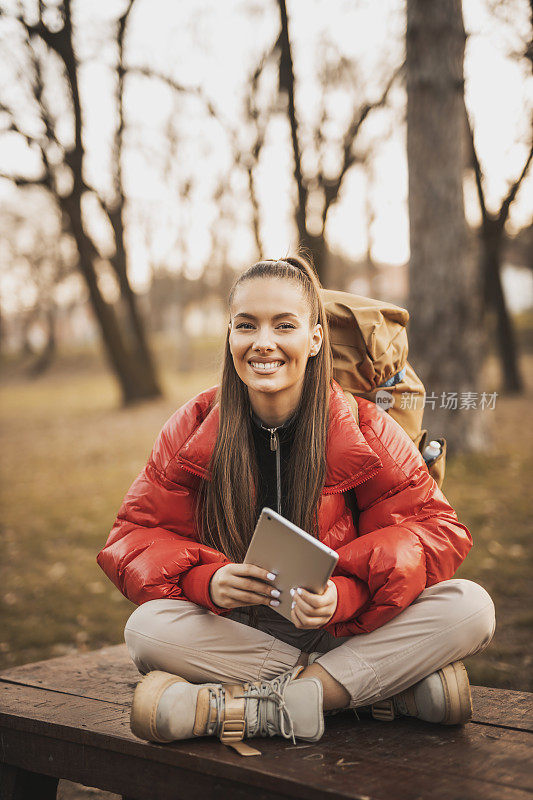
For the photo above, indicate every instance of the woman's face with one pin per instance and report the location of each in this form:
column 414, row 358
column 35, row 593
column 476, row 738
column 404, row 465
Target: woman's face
column 270, row 324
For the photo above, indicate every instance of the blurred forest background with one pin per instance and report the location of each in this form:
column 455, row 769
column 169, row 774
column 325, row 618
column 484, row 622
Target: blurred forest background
column 150, row 151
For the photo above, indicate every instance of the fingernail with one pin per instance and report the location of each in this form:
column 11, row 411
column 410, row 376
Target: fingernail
column 271, row 576
column 275, row 592
column 293, row 604
column 292, row 592
column 299, row 591
column 274, row 602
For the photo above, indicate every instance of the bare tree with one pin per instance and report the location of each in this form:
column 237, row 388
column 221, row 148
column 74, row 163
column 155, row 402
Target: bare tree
column 322, row 186
column 444, row 294
column 245, row 140
column 492, row 235
column 49, row 44
column 492, row 244
column 258, row 120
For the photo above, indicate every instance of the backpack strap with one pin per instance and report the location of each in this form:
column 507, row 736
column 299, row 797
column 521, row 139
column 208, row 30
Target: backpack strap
column 352, row 402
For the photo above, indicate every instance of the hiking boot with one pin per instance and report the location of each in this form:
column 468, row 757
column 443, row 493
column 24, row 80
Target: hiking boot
column 443, row 697
column 167, row 708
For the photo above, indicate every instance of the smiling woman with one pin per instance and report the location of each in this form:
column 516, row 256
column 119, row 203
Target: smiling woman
column 272, row 344
column 391, row 626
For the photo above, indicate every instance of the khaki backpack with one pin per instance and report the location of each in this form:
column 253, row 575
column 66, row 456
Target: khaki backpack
column 369, row 346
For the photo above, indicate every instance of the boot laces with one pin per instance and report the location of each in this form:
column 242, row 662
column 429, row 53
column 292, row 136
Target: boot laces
column 268, row 690
column 263, row 691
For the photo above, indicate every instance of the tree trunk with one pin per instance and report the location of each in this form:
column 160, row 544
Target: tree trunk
column 286, row 82
column 137, row 344
column 123, row 363
column 491, row 239
column 256, row 216
column 45, row 358
column 316, row 244
column 492, row 235
column 444, row 290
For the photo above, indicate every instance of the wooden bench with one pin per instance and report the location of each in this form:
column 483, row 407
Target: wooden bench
column 69, row 718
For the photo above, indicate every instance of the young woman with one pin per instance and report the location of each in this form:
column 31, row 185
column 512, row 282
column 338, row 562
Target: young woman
column 391, row 627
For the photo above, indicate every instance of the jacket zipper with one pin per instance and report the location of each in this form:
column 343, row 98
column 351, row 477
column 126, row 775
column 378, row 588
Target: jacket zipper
column 274, row 445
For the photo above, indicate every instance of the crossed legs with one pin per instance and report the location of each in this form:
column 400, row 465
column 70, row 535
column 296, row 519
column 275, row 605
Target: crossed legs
column 447, row 622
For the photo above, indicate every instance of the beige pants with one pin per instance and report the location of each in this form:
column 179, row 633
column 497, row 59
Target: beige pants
column 447, row 622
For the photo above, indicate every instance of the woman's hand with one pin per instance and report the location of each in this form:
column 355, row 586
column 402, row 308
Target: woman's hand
column 311, row 610
column 237, row 585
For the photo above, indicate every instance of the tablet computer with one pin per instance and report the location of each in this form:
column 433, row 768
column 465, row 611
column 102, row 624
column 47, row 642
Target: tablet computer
column 295, row 557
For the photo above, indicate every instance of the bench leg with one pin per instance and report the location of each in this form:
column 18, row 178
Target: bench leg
column 19, row 784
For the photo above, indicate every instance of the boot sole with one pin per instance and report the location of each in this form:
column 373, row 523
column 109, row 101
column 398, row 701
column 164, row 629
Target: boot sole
column 145, row 702
column 456, row 687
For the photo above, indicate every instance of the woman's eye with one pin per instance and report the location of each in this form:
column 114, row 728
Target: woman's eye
column 242, row 324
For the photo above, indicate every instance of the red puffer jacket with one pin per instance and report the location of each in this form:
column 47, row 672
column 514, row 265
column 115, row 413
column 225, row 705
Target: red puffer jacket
column 407, row 537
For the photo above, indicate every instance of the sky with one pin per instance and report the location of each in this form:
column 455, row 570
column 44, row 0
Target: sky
column 215, row 45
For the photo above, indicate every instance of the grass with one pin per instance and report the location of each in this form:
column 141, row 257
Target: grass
column 68, row 455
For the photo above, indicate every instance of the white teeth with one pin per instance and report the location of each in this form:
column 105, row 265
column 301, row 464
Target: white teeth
column 266, row 367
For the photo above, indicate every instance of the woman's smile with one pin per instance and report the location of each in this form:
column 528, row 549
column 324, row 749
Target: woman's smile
column 266, row 367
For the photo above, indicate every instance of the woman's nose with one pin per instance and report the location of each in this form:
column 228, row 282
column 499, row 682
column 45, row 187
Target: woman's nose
column 263, row 340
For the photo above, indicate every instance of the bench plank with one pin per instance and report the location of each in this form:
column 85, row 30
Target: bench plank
column 503, row 707
column 106, row 674
column 405, row 759
column 109, row 674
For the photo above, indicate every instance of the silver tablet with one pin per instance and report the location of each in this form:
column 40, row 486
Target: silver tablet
column 296, row 558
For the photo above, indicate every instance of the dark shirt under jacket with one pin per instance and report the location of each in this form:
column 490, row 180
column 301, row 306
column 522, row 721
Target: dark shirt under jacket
column 266, row 460
column 267, row 619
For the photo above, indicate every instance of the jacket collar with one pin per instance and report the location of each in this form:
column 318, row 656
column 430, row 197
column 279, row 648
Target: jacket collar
column 285, row 431
column 349, row 458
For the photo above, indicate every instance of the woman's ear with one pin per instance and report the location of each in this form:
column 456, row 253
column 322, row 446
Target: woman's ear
column 317, row 340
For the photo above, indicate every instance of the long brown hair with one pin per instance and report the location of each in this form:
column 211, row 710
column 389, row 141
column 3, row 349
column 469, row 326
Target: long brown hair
column 226, row 510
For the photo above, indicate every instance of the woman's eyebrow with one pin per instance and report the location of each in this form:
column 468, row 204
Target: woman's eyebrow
column 276, row 316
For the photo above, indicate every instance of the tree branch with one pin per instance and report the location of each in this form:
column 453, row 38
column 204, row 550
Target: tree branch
column 476, row 167
column 196, row 91
column 14, row 127
column 19, row 180
column 331, row 188
column 119, row 134
column 38, row 93
column 52, row 38
column 506, row 205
